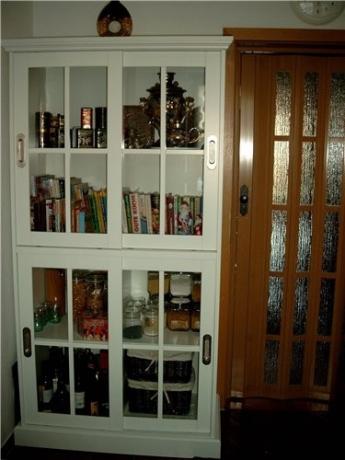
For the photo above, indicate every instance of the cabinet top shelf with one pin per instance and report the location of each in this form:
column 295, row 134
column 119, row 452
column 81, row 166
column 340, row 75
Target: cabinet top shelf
column 176, row 43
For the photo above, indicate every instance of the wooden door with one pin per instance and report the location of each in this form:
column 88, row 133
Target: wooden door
column 288, row 229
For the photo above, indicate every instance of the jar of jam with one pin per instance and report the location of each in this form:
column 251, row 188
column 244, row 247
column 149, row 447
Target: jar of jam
column 195, row 318
column 153, row 283
column 178, row 315
column 79, row 294
column 196, row 289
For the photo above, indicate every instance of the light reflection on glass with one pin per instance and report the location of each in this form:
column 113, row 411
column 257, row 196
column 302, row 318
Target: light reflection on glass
column 327, row 293
column 274, row 306
column 334, row 172
column 297, row 361
column 336, row 126
column 307, row 173
column 271, row 362
column 280, row 172
column 304, row 241
column 311, row 82
column 278, row 240
column 330, row 242
column 301, row 306
column 321, row 363
column 283, row 104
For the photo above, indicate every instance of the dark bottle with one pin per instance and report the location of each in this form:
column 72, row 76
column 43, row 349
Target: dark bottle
column 114, row 19
column 45, row 388
column 60, row 402
column 103, row 384
column 92, row 385
column 79, row 395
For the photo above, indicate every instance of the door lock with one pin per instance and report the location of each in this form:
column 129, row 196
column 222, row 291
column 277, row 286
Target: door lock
column 244, row 200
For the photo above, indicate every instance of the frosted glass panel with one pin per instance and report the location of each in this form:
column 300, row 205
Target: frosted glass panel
column 278, row 239
column 334, row 172
column 283, row 104
column 304, row 241
column 326, row 307
column 336, row 126
column 321, row 363
column 301, row 306
column 280, row 172
column 297, row 359
column 274, row 307
column 311, row 82
column 307, row 173
column 271, row 361
column 330, row 242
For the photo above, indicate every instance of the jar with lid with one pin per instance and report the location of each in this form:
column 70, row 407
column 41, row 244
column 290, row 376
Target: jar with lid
column 132, row 321
column 195, row 318
column 180, row 284
column 178, row 315
column 151, row 320
column 153, row 283
column 79, row 294
column 95, row 302
column 196, row 288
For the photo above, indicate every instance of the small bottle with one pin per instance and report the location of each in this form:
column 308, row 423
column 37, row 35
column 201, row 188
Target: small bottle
column 92, row 385
column 151, row 320
column 132, row 322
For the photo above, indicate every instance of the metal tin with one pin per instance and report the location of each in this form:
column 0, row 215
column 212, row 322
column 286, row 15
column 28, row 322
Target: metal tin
column 86, row 117
column 43, row 121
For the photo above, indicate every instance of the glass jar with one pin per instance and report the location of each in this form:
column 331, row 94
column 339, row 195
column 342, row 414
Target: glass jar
column 195, row 318
column 132, row 321
column 196, row 289
column 95, row 303
column 79, row 294
column 178, row 315
column 151, row 320
column 153, row 283
column 180, row 284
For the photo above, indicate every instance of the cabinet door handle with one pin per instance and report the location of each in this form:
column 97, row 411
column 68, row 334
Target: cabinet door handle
column 27, row 342
column 20, row 150
column 206, row 349
column 211, row 152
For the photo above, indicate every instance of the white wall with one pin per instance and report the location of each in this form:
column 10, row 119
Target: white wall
column 78, row 18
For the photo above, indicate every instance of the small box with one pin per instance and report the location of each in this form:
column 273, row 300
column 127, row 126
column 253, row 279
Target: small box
column 85, row 138
column 91, row 328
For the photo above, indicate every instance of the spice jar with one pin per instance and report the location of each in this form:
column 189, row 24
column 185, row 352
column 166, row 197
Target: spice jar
column 132, row 322
column 178, row 316
column 195, row 318
column 151, row 320
column 95, row 294
column 180, row 284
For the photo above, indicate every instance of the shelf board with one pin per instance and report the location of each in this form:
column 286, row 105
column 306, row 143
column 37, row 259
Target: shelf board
column 53, row 332
column 173, row 340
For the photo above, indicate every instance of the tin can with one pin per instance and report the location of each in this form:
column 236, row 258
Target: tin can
column 43, row 122
column 86, row 117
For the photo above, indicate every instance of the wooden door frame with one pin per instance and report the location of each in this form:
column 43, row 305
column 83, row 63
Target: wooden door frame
column 273, row 41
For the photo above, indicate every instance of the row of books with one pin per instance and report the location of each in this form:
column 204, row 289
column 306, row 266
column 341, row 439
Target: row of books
column 141, row 213
column 88, row 208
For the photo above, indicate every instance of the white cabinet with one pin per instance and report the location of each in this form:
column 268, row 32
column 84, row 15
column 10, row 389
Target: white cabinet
column 116, row 181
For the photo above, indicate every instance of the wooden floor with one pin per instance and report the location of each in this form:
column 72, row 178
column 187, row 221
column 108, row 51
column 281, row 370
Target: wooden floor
column 245, row 435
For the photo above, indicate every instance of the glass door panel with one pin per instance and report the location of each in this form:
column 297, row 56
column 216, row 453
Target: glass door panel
column 185, row 107
column 180, row 385
column 46, row 107
column 184, row 194
column 88, row 193
column 91, row 382
column 52, row 377
column 88, row 107
column 47, row 192
column 49, row 303
column 90, row 305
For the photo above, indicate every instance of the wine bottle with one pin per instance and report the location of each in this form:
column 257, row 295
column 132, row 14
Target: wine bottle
column 92, row 385
column 45, row 388
column 79, row 395
column 103, row 384
column 60, row 402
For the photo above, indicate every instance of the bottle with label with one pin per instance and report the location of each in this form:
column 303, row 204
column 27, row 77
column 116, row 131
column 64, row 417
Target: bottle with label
column 45, row 388
column 101, row 127
column 60, row 402
column 79, row 394
column 103, row 384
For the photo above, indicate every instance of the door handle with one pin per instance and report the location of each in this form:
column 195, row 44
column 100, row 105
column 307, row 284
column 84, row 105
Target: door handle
column 206, row 349
column 244, row 200
column 27, row 350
